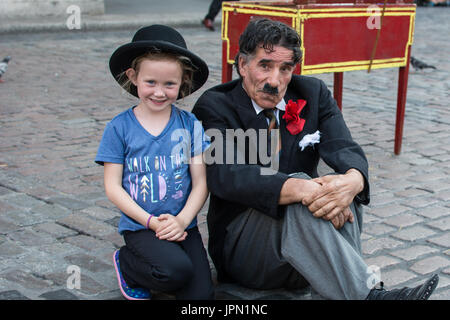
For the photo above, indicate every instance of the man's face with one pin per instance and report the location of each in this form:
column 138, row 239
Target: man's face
column 266, row 75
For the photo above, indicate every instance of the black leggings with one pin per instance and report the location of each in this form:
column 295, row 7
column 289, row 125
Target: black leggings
column 181, row 268
column 214, row 9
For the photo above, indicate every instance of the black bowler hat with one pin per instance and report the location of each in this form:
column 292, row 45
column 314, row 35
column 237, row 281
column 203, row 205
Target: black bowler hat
column 164, row 38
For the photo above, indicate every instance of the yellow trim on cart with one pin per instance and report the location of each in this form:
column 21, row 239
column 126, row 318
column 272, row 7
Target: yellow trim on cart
column 233, row 6
column 299, row 15
column 362, row 9
column 306, row 16
column 353, row 66
column 261, row 12
column 240, row 5
column 226, row 11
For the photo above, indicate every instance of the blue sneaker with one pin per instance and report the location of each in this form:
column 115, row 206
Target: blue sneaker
column 129, row 293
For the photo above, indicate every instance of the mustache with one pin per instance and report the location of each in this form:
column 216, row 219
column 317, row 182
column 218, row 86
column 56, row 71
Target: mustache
column 269, row 89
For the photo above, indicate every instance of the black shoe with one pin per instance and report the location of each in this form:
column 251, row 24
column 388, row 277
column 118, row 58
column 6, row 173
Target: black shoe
column 421, row 292
column 208, row 23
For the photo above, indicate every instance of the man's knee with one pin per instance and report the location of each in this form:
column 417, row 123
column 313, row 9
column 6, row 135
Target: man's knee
column 300, row 175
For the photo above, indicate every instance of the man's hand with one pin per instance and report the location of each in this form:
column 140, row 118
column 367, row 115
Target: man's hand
column 337, row 192
column 294, row 190
column 341, row 218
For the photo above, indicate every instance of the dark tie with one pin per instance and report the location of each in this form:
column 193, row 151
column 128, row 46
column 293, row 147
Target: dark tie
column 273, row 124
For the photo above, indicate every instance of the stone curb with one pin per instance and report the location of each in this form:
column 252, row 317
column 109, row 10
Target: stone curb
column 103, row 23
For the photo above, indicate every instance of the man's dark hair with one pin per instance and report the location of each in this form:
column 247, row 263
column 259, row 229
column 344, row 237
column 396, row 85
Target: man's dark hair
column 268, row 33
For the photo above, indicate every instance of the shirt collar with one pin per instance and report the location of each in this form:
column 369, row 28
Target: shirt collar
column 280, row 106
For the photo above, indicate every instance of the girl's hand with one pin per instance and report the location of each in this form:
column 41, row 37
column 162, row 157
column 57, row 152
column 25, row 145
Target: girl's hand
column 170, row 229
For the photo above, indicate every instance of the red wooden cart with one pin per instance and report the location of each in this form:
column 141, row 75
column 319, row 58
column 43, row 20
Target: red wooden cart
column 336, row 37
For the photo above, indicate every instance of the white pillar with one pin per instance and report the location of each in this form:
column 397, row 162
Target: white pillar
column 47, row 8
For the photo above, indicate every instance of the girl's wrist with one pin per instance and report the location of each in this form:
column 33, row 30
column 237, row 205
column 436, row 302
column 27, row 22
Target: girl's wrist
column 148, row 221
column 184, row 223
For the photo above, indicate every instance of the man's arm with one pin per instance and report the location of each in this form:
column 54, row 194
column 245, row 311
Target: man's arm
column 296, row 190
column 346, row 157
column 338, row 149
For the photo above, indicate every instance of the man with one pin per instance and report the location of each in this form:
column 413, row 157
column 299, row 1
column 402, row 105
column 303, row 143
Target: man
column 289, row 228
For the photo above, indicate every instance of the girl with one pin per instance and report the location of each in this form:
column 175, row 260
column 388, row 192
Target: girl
column 153, row 168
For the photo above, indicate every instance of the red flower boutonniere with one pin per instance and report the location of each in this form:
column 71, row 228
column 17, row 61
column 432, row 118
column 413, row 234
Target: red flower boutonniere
column 292, row 116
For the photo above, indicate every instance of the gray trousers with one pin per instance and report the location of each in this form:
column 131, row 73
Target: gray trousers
column 264, row 253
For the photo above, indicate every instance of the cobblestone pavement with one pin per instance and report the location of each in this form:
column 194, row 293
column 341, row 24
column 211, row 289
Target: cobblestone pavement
column 55, row 219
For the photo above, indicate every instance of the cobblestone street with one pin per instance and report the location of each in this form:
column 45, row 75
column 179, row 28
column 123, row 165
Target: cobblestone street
column 58, row 96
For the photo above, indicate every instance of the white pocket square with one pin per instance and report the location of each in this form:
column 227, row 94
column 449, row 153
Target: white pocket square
column 309, row 140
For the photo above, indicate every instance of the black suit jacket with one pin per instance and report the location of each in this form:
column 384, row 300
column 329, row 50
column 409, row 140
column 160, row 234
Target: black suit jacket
column 236, row 187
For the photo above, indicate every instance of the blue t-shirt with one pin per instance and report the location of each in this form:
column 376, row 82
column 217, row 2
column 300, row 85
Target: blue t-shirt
column 155, row 168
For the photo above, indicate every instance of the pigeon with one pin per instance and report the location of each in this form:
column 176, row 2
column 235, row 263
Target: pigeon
column 417, row 64
column 4, row 66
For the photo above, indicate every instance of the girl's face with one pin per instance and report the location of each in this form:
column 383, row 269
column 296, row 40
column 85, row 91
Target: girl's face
column 158, row 83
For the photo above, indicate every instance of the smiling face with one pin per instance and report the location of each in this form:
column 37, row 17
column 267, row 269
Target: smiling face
column 158, row 83
column 266, row 75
